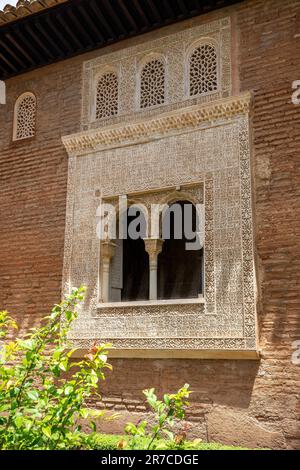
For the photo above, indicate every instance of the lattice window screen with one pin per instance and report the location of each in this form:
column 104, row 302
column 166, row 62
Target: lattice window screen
column 107, row 96
column 203, row 68
column 25, row 117
column 152, row 84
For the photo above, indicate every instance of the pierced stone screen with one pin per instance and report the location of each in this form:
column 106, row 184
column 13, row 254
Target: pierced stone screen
column 203, row 70
column 152, row 84
column 107, row 96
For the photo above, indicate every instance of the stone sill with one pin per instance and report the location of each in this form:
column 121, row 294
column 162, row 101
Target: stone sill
column 246, row 355
column 145, row 303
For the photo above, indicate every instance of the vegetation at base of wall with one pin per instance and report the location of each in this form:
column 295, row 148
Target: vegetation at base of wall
column 45, row 394
column 116, row 442
column 165, row 413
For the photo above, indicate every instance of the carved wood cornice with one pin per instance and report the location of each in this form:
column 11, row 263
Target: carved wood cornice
column 163, row 124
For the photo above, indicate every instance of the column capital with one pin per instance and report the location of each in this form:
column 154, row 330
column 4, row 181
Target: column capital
column 108, row 249
column 153, row 246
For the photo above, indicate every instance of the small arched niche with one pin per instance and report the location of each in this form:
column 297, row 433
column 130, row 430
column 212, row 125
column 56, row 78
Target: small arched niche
column 24, row 116
column 202, row 68
column 152, row 82
column 106, row 95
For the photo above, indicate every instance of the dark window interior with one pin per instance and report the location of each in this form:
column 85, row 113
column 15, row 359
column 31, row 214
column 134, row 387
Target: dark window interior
column 179, row 270
column 135, row 266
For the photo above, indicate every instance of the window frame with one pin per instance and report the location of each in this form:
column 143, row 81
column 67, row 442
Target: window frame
column 190, row 50
column 18, row 101
column 141, row 204
column 145, row 61
column 98, row 76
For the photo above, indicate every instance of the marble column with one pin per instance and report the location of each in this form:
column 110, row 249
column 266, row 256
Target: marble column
column 153, row 246
column 107, row 253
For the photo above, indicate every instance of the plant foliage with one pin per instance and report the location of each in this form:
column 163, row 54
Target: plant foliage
column 166, row 413
column 43, row 390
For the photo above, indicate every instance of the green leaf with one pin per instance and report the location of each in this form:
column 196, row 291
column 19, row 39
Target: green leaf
column 33, row 394
column 47, row 432
column 19, row 421
column 93, row 426
column 68, row 390
column 84, row 413
column 167, row 399
column 130, row 428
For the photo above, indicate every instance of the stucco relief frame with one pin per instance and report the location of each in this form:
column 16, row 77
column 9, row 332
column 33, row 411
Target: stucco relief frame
column 96, row 77
column 218, row 334
column 144, row 61
column 194, row 193
column 175, row 49
column 202, row 42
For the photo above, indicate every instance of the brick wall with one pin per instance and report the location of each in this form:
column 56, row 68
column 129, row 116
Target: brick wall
column 249, row 403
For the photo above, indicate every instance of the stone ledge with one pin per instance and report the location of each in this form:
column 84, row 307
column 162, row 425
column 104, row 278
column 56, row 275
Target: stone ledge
column 247, row 355
column 139, row 131
column 150, row 303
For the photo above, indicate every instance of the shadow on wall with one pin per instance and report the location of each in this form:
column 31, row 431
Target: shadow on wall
column 221, row 407
column 226, row 383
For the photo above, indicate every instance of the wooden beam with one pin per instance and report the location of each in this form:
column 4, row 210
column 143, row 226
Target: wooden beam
column 4, row 71
column 20, row 48
column 127, row 14
column 48, row 38
column 115, row 18
column 10, row 51
column 198, row 5
column 51, row 20
column 40, row 43
column 169, row 10
column 92, row 26
column 79, row 27
column 25, row 38
column 155, row 11
column 141, row 12
column 69, row 31
column 7, row 61
column 94, row 6
column 183, row 7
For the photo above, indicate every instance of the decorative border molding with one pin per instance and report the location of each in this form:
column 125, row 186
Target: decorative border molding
column 166, row 123
column 225, row 323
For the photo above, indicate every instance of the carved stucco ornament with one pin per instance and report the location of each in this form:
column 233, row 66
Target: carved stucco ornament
column 201, row 146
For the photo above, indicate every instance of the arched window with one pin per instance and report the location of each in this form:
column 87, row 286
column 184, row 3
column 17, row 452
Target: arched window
column 203, row 70
column 130, row 265
column 24, row 116
column 180, row 264
column 152, row 83
column 107, row 95
column 167, row 267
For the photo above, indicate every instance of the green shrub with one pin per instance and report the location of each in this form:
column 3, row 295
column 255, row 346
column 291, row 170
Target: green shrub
column 44, row 393
column 96, row 441
column 114, row 442
column 166, row 412
column 39, row 407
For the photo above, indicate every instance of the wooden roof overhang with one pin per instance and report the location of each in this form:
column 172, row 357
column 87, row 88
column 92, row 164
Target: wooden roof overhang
column 41, row 32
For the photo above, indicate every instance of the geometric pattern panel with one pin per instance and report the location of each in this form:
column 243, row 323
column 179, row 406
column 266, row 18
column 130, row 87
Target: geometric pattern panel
column 107, row 96
column 152, row 84
column 211, row 163
column 163, row 82
column 203, row 70
column 25, row 116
